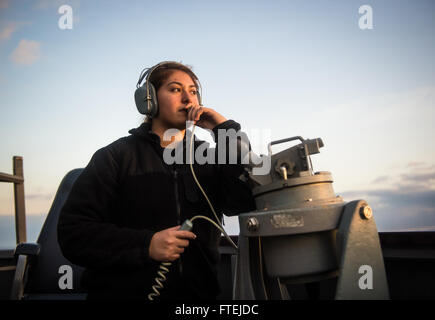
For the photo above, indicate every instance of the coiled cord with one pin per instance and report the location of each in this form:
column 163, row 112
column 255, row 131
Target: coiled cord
column 159, row 285
column 163, row 266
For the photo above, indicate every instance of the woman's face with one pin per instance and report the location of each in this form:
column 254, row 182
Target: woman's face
column 175, row 96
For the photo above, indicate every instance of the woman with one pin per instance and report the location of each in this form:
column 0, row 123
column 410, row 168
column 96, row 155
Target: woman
column 122, row 216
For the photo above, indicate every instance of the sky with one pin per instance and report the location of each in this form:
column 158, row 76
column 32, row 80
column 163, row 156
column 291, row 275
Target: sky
column 279, row 68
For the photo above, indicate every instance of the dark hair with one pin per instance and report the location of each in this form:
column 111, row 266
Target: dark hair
column 161, row 74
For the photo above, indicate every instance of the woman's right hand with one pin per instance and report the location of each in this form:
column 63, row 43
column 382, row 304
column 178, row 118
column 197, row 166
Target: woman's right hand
column 168, row 244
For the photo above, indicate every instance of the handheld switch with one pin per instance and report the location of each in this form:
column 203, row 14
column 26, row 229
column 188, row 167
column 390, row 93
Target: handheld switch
column 187, row 225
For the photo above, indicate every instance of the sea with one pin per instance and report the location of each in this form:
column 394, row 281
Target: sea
column 34, row 224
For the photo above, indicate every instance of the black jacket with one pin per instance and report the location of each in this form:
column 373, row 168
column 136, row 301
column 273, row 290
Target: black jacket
column 127, row 193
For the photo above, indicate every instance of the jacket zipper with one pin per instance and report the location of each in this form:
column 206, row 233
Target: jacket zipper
column 177, row 203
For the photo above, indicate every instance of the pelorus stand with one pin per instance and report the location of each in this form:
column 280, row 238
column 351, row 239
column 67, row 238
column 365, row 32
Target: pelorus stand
column 302, row 232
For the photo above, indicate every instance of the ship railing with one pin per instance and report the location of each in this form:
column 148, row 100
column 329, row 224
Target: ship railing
column 17, row 178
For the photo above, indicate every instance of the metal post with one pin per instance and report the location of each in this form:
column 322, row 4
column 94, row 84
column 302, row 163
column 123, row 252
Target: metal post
column 20, row 210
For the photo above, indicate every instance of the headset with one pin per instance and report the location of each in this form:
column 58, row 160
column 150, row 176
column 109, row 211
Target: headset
column 145, row 96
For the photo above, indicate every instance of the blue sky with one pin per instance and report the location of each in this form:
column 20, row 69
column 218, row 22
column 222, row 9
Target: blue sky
column 280, row 68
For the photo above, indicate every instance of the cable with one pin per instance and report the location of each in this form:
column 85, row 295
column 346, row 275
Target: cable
column 203, row 192
column 163, row 270
column 208, row 219
column 187, row 225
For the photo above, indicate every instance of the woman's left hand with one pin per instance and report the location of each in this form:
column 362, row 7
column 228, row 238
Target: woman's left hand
column 203, row 117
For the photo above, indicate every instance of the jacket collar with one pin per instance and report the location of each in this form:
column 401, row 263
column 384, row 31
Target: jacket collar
column 144, row 131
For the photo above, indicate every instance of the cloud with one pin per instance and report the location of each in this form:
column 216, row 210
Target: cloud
column 415, row 164
column 424, row 199
column 419, row 175
column 10, row 27
column 408, row 202
column 39, row 196
column 395, row 209
column 6, row 32
column 27, row 52
column 425, row 179
column 381, row 179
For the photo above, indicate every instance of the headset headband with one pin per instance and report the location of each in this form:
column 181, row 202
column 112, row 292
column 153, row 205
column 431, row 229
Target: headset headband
column 148, row 71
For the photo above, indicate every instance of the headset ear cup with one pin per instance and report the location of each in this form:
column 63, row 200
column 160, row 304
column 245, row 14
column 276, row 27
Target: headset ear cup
column 145, row 105
column 154, row 104
column 140, row 97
